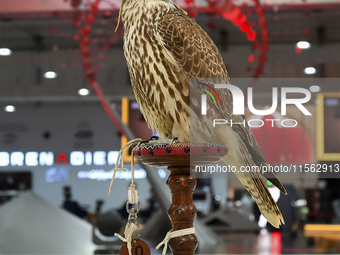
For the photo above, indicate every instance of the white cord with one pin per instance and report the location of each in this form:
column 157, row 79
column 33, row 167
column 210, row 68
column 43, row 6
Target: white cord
column 172, row 234
column 124, row 149
column 129, row 230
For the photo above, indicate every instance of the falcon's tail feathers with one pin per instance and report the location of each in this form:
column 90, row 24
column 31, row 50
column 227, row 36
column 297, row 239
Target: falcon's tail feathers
column 257, row 188
column 259, row 191
column 259, row 159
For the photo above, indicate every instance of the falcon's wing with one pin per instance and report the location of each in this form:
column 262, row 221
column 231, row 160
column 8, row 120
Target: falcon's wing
column 196, row 55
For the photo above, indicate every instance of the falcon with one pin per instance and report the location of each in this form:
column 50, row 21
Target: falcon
column 165, row 49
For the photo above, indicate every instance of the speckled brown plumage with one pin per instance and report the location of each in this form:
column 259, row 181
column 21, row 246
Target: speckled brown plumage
column 164, row 49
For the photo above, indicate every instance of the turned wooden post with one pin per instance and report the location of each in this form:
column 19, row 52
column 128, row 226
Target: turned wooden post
column 182, row 211
column 181, row 159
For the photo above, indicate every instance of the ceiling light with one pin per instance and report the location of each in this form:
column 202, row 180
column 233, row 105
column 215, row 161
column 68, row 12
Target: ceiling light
column 314, row 88
column 5, row 52
column 310, row 70
column 303, row 45
column 50, row 75
column 10, row 108
column 301, row 202
column 83, row 92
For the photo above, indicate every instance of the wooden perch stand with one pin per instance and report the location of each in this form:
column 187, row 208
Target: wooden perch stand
column 181, row 160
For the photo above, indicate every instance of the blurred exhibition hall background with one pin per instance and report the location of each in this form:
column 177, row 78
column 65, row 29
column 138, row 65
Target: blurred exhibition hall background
column 58, row 144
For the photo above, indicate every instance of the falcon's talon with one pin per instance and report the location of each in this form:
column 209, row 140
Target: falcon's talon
column 144, row 141
column 154, row 137
column 159, row 140
column 175, row 140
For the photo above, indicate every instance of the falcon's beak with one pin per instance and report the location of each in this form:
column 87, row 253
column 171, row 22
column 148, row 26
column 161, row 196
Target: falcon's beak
column 120, row 13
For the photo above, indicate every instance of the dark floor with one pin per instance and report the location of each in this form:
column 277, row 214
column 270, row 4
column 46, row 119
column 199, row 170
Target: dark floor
column 265, row 243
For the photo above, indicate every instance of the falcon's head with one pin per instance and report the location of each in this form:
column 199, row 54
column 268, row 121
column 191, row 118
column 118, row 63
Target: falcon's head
column 135, row 3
